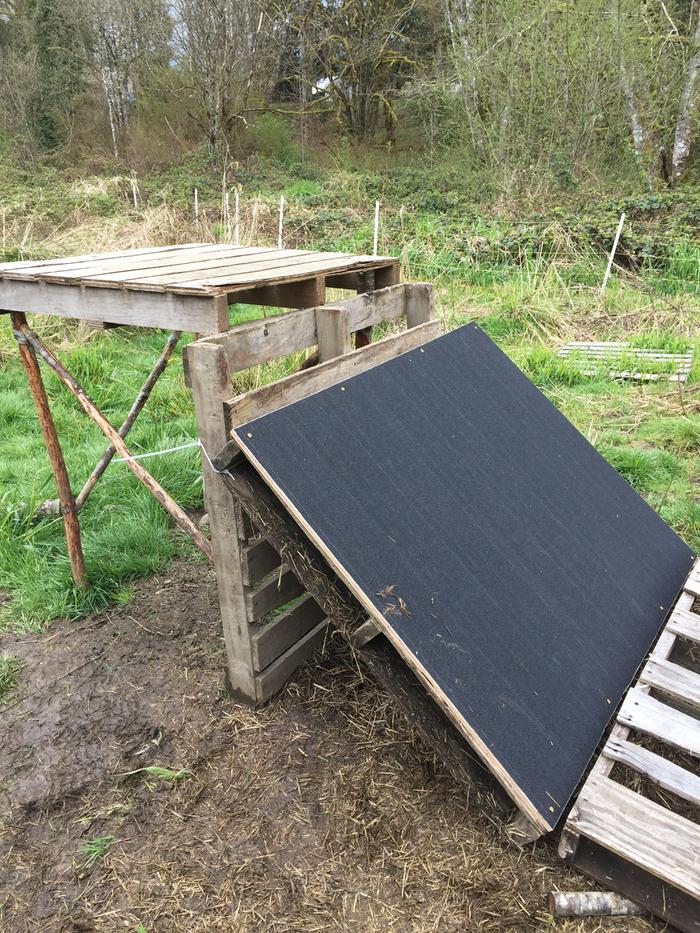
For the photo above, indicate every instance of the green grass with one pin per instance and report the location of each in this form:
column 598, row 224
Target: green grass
column 95, row 849
column 532, row 283
column 10, row 666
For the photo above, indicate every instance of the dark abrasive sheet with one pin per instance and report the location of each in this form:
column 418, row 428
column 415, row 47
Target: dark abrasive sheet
column 533, row 577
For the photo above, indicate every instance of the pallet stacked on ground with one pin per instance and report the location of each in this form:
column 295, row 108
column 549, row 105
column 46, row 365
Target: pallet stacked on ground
column 418, row 469
column 635, row 824
column 623, row 361
column 185, row 288
column 270, row 626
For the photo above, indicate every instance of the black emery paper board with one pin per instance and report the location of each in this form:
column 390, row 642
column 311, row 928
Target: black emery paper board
column 517, row 572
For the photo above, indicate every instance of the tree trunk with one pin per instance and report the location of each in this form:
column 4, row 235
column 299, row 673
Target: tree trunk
column 684, row 124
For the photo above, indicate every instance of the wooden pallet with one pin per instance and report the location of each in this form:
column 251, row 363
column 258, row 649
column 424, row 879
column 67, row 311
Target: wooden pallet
column 648, row 851
column 185, row 287
column 594, row 357
column 271, row 625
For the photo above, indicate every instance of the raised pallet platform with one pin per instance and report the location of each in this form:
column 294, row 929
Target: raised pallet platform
column 616, row 356
column 185, row 287
column 645, row 847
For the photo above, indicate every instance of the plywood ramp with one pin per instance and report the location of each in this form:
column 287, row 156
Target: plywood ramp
column 638, row 813
column 516, row 573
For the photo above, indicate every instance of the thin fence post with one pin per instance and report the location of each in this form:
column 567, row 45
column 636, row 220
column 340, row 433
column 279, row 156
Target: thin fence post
column 237, row 228
column 376, row 227
column 613, row 251
column 227, row 218
column 196, row 207
column 280, row 238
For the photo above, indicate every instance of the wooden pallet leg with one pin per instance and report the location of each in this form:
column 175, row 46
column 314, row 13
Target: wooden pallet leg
column 209, row 379
column 53, row 446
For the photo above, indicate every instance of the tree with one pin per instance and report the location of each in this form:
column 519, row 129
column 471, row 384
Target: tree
column 123, row 35
column 221, row 49
column 364, row 50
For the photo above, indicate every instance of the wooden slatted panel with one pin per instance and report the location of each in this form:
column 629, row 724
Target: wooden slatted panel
column 637, row 829
column 122, row 268
column 692, row 584
column 659, row 770
column 29, row 268
column 201, row 267
column 286, row 273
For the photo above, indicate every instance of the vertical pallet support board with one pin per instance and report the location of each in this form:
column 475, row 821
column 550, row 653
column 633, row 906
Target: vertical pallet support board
column 271, row 624
column 649, row 850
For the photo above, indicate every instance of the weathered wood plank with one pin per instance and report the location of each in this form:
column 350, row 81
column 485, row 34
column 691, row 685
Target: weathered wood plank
column 672, row 679
column 299, row 385
column 220, row 264
column 279, row 588
column 659, row 770
column 256, row 342
column 33, row 266
column 642, row 712
column 333, row 332
column 210, row 382
column 257, row 560
column 684, row 623
column 637, row 829
column 285, row 630
column 147, row 309
column 692, row 584
column 274, row 677
column 127, row 268
column 283, row 272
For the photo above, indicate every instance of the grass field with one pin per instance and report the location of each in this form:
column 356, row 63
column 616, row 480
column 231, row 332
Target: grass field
column 529, row 292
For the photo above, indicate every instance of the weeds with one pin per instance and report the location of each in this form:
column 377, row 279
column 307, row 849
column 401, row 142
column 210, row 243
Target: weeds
column 10, row 666
column 95, row 849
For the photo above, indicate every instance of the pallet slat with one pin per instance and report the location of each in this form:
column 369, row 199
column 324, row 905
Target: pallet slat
column 285, row 630
column 642, row 712
column 662, row 772
column 637, row 829
column 277, row 590
column 672, row 679
column 685, row 623
column 257, row 560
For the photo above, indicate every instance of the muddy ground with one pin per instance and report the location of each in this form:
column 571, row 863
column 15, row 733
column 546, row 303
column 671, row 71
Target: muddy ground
column 321, row 811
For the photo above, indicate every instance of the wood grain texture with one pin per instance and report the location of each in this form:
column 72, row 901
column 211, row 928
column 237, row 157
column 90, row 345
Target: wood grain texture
column 659, row 770
column 192, row 269
column 646, row 714
column 635, row 828
column 515, row 571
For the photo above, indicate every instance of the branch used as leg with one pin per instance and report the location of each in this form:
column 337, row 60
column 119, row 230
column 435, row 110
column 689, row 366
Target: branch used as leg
column 128, row 422
column 53, row 445
column 156, row 490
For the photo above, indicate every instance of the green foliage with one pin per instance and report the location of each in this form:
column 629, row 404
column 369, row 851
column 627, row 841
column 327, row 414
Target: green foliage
column 10, row 666
column 270, row 136
column 94, row 850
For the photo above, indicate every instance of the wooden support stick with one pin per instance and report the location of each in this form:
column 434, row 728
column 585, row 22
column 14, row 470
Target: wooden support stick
column 591, row 904
column 133, row 414
column 53, row 445
column 93, row 411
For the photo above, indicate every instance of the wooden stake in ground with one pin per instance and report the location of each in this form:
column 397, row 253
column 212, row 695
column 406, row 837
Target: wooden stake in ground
column 53, row 445
column 236, row 221
column 613, row 251
column 156, row 490
column 377, row 205
column 280, row 238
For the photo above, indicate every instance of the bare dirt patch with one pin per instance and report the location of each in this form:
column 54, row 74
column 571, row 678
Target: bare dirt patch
column 321, row 811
